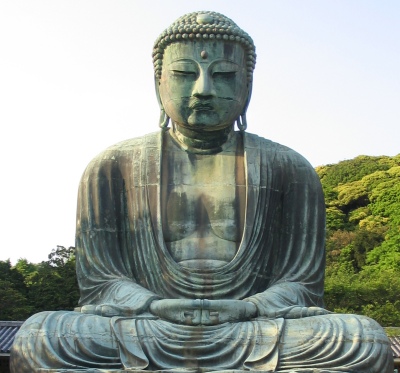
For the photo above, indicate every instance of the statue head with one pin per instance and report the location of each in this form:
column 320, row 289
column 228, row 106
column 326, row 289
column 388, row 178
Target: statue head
column 203, row 66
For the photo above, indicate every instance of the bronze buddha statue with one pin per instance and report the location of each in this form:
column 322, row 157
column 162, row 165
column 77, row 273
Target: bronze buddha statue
column 201, row 248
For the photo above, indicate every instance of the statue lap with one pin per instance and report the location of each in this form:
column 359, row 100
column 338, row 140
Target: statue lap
column 293, row 345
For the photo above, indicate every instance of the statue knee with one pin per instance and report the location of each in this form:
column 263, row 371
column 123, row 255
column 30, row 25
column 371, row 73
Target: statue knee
column 20, row 354
column 370, row 326
column 37, row 340
column 365, row 322
column 37, row 319
column 347, row 324
column 32, row 324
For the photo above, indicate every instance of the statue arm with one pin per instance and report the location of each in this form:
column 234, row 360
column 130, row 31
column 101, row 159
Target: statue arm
column 106, row 289
column 107, row 280
column 288, row 300
column 298, row 270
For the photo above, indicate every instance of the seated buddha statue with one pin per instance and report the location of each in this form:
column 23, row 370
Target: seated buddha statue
column 200, row 248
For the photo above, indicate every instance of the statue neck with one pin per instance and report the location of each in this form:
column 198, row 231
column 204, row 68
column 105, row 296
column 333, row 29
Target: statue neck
column 203, row 142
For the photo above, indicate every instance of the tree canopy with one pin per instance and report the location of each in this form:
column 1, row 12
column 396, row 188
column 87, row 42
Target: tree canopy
column 28, row 288
column 363, row 237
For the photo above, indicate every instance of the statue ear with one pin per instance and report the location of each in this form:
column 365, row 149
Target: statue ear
column 164, row 118
column 249, row 91
column 241, row 121
column 157, row 87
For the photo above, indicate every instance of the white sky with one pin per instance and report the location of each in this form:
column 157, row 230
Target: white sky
column 76, row 77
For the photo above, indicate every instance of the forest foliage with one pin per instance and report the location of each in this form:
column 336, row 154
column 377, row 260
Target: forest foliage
column 362, row 199
column 28, row 288
column 362, row 249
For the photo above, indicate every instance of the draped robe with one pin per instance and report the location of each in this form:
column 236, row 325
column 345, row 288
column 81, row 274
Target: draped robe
column 122, row 257
column 122, row 260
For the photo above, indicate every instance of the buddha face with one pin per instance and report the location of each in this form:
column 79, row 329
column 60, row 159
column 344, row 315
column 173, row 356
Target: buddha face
column 203, row 84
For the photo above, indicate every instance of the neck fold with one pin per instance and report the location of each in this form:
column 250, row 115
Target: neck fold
column 203, row 142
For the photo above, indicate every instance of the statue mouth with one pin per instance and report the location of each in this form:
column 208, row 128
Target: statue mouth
column 201, row 105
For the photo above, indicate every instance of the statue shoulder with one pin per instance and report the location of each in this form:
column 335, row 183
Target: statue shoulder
column 123, row 151
column 280, row 154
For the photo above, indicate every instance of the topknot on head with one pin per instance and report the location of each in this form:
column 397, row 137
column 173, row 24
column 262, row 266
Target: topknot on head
column 204, row 25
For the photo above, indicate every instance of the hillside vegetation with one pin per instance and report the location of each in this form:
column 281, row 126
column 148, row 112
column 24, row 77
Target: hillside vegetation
column 363, row 250
column 363, row 237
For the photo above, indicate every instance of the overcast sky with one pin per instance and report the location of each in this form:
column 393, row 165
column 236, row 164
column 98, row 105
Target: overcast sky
column 76, row 76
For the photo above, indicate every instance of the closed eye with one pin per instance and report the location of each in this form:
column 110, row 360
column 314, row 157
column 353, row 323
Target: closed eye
column 224, row 74
column 184, row 73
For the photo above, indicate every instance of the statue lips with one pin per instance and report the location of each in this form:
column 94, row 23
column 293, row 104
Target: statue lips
column 201, row 104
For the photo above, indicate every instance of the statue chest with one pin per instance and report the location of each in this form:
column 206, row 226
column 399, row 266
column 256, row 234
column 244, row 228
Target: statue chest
column 202, row 203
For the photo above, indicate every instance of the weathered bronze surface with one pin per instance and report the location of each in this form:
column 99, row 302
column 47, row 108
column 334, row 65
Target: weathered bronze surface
column 200, row 248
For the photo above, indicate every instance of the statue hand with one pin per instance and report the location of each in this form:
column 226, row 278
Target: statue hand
column 107, row 310
column 221, row 311
column 179, row 311
column 203, row 312
column 299, row 312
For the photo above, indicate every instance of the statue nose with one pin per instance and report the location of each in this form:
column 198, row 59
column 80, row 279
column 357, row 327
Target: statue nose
column 204, row 85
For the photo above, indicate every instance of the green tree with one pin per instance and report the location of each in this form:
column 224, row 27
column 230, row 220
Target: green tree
column 363, row 237
column 54, row 285
column 28, row 288
column 13, row 294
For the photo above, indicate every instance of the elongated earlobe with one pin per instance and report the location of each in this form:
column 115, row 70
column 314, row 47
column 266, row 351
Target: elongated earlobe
column 164, row 119
column 241, row 122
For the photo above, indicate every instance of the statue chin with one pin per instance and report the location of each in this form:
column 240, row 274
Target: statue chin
column 201, row 250
column 204, row 119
